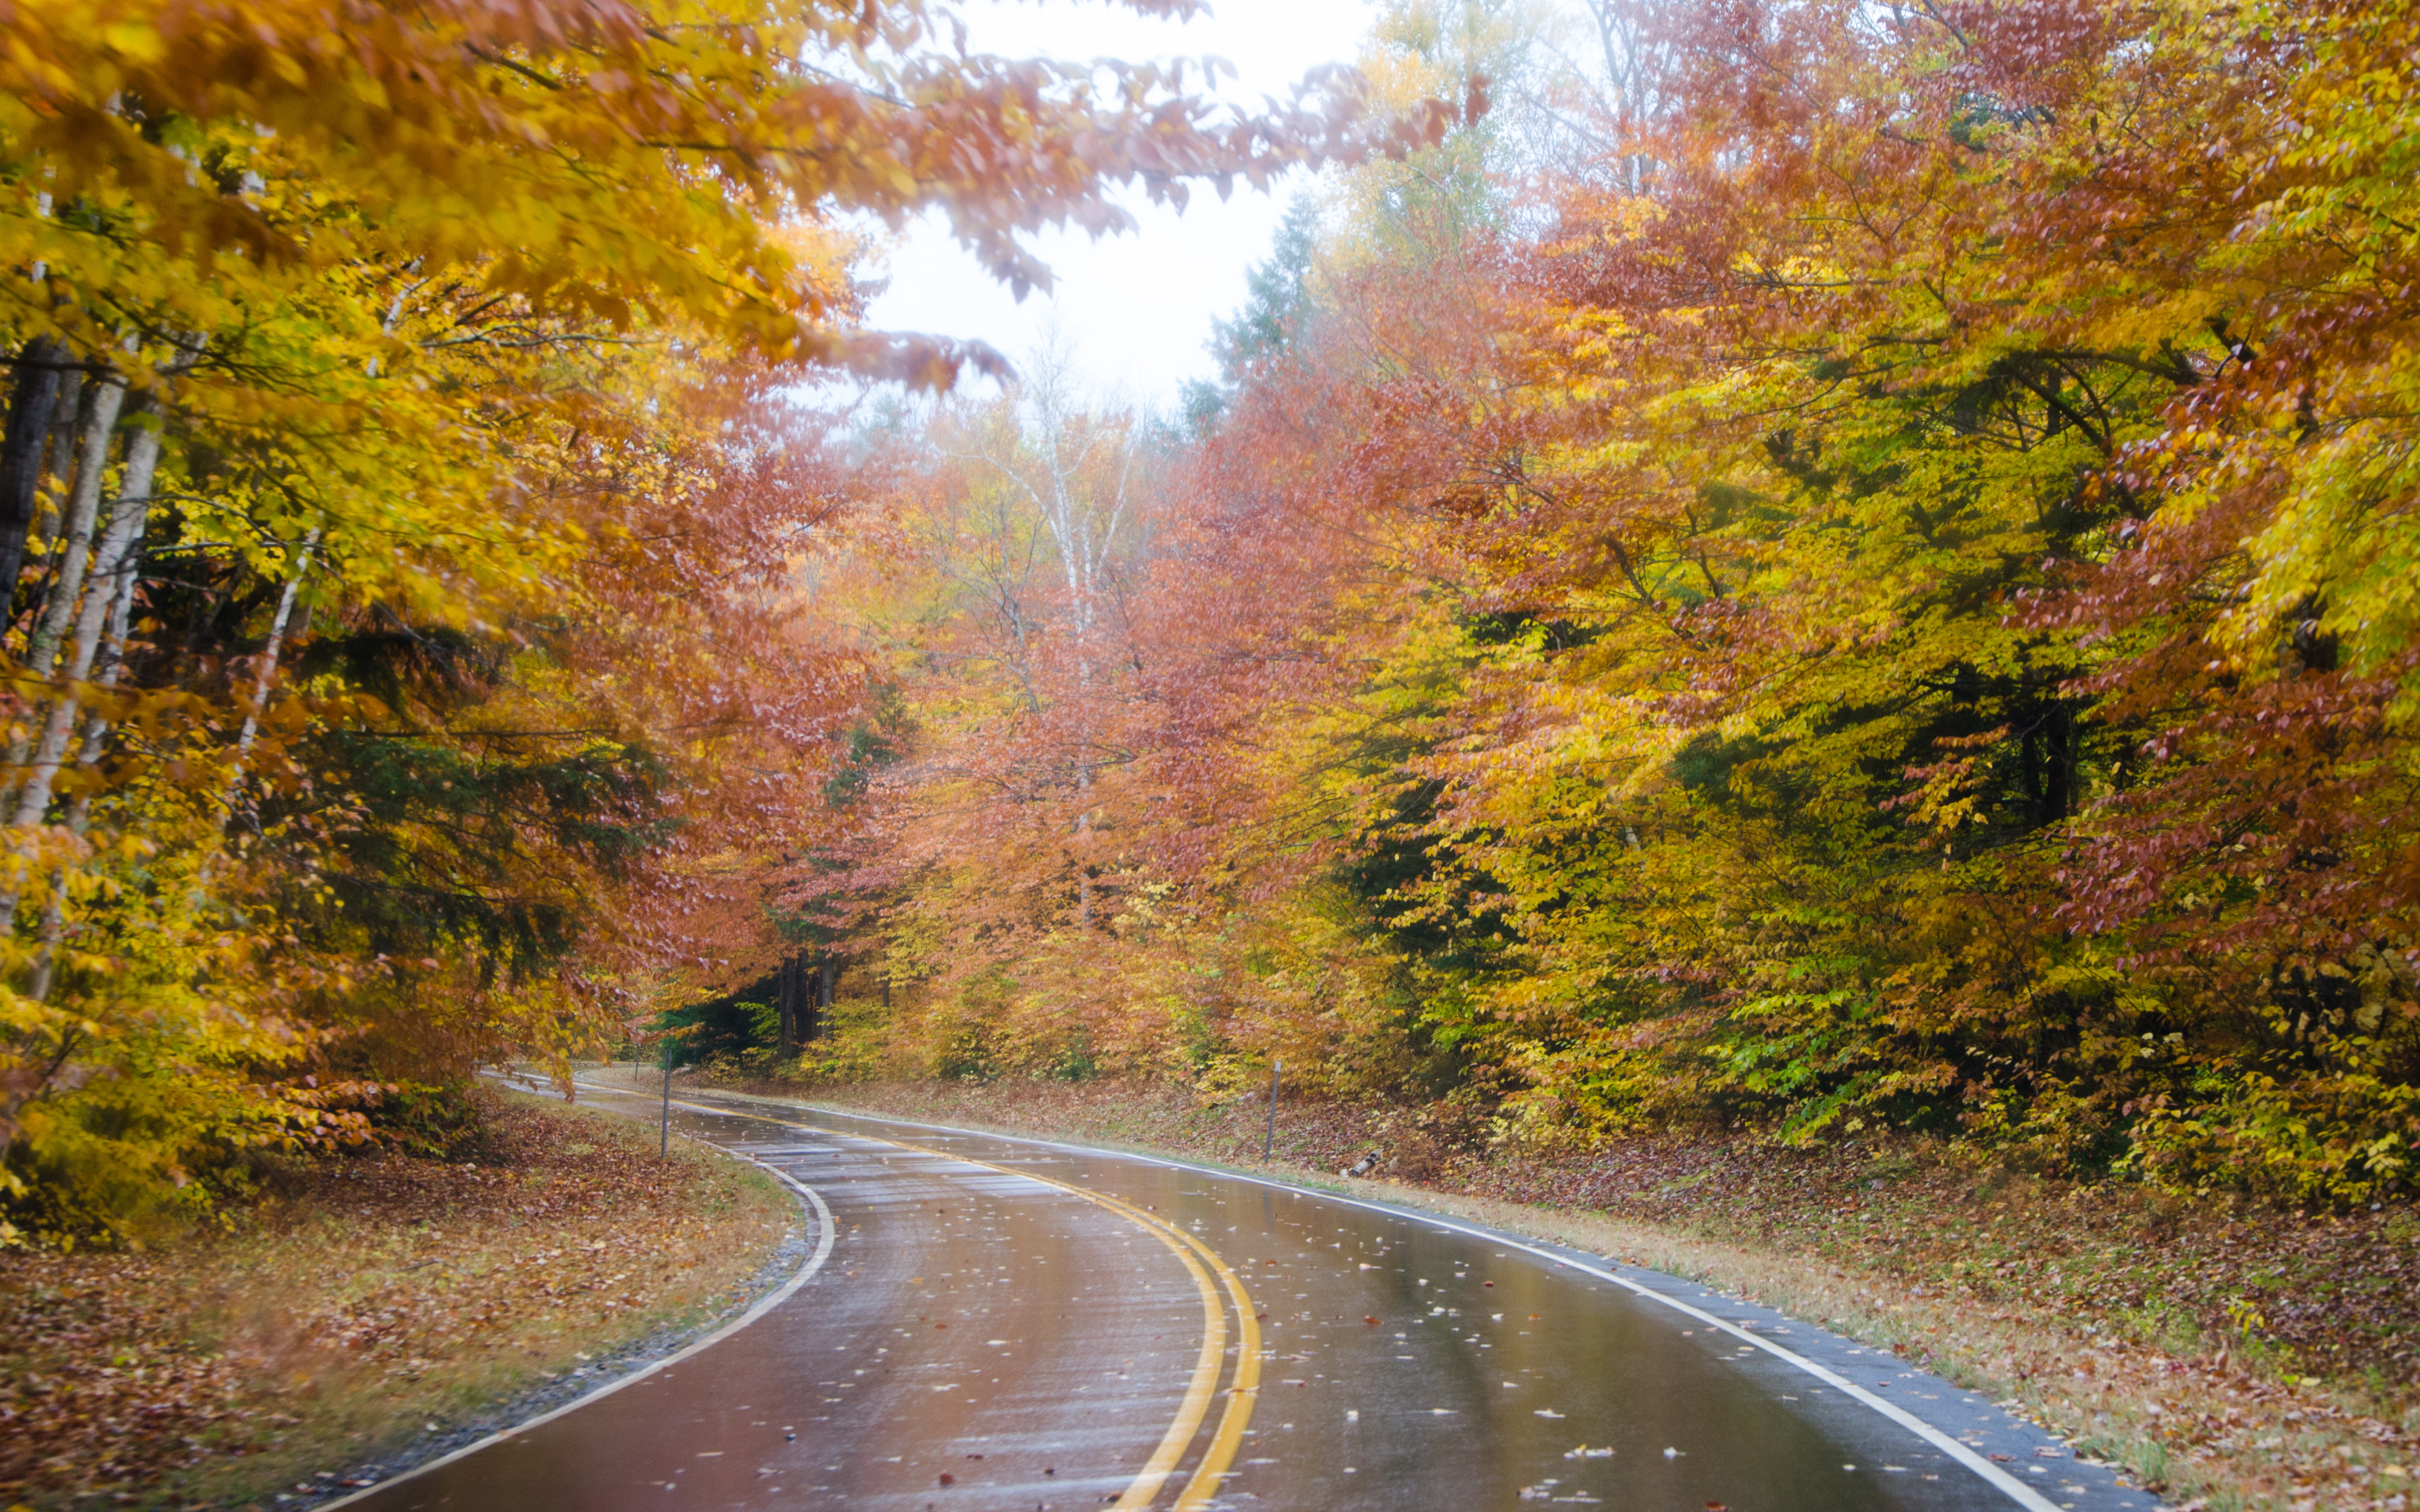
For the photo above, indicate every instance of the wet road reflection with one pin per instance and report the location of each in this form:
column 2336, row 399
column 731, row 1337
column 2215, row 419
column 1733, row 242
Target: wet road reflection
column 983, row 1339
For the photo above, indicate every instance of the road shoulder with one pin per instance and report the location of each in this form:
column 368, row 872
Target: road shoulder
column 368, row 1314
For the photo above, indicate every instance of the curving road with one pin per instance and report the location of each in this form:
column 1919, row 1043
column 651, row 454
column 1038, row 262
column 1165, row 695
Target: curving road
column 993, row 1324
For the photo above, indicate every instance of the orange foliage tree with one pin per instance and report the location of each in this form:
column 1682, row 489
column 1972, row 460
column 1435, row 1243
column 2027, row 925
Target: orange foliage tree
column 1881, row 596
column 405, row 503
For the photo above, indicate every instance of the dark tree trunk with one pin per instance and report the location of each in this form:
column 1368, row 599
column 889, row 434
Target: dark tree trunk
column 2061, row 741
column 803, row 1005
column 785, row 998
column 35, row 395
column 826, row 973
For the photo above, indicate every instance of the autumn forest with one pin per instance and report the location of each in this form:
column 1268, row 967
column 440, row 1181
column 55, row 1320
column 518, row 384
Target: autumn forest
column 1781, row 565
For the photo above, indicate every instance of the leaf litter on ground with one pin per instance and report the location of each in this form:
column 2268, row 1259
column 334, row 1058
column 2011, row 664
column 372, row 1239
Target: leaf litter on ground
column 361, row 1303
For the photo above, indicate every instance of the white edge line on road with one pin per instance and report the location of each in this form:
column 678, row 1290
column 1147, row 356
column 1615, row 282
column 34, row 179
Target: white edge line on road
column 764, row 1305
column 1992, row 1475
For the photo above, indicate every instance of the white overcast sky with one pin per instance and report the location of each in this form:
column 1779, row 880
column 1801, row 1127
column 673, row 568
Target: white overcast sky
column 1134, row 309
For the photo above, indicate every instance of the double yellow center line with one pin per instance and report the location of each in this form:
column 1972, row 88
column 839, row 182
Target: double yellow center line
column 1241, row 1396
column 1202, row 1262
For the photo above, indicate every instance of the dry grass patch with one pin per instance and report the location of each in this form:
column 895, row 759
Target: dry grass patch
column 360, row 1299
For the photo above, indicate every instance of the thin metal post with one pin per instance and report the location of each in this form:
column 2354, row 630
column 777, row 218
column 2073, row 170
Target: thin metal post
column 664, row 1139
column 1270, row 1142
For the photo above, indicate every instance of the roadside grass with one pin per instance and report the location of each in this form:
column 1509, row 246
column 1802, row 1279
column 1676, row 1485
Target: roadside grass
column 362, row 1310
column 2236, row 1358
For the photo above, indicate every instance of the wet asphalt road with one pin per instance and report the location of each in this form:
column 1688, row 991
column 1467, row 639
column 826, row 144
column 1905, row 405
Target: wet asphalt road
column 1001, row 1324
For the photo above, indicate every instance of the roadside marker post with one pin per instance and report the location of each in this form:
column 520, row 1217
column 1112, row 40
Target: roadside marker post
column 664, row 1136
column 1270, row 1140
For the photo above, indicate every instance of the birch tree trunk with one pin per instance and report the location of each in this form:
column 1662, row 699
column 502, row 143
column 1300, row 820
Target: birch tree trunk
column 111, row 597
column 83, row 502
column 113, row 660
column 1084, row 518
column 112, row 559
column 266, row 672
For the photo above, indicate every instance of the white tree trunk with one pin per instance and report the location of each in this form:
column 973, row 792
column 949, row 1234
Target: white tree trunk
column 125, row 530
column 96, row 739
column 83, row 502
column 266, row 672
column 111, row 560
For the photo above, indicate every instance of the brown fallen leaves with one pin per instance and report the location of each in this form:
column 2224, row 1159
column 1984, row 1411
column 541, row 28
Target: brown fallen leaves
column 100, row 1391
column 357, row 1298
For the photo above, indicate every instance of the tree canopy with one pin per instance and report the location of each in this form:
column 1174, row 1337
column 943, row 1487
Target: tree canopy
column 1841, row 569
column 1788, row 565
column 404, row 497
